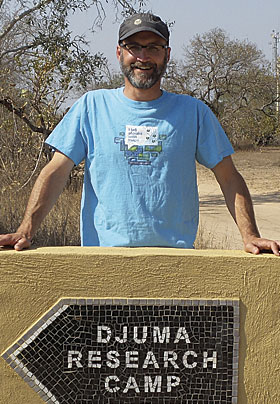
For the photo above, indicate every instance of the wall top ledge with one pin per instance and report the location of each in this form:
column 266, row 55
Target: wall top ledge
column 130, row 252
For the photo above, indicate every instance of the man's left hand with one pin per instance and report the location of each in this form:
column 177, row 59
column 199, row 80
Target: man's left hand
column 258, row 245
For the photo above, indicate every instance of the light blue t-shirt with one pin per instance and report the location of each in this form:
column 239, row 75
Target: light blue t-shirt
column 140, row 186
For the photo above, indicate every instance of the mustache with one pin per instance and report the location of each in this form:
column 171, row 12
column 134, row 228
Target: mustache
column 139, row 65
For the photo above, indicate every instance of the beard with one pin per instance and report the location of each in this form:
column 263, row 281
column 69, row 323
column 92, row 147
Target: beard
column 145, row 79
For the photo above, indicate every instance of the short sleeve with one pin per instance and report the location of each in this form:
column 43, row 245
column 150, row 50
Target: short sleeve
column 68, row 136
column 212, row 142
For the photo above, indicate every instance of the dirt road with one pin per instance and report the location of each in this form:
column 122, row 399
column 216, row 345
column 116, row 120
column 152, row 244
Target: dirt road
column 261, row 170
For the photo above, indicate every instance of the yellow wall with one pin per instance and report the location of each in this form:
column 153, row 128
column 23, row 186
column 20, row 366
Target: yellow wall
column 33, row 281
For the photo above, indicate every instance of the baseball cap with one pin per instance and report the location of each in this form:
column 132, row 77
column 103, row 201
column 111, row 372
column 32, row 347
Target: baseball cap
column 143, row 22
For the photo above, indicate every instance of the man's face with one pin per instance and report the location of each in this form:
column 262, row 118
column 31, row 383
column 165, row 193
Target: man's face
column 143, row 69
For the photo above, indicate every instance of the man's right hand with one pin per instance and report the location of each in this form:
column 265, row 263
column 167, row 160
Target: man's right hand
column 17, row 240
column 45, row 193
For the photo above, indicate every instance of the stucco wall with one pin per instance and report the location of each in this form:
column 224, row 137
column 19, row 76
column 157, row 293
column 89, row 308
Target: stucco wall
column 32, row 281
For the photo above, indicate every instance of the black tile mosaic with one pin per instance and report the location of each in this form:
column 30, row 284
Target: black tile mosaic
column 132, row 351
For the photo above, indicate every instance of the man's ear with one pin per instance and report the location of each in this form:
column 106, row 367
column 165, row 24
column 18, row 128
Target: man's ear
column 168, row 54
column 118, row 52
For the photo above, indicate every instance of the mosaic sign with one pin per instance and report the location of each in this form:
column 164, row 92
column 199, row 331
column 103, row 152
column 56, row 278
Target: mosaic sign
column 86, row 351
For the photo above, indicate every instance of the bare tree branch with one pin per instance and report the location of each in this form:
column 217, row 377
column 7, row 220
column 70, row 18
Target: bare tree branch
column 19, row 50
column 23, row 15
column 125, row 4
column 233, row 78
column 267, row 105
column 36, row 166
column 7, row 103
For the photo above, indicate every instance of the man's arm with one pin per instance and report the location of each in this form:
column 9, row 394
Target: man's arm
column 45, row 193
column 240, row 205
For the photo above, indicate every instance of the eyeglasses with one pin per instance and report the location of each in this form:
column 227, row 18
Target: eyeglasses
column 136, row 49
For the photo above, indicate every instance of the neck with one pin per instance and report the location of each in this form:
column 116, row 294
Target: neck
column 139, row 94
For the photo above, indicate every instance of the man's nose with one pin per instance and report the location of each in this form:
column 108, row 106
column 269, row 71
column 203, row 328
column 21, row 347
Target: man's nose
column 143, row 55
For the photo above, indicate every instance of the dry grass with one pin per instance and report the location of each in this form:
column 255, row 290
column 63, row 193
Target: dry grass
column 206, row 240
column 60, row 227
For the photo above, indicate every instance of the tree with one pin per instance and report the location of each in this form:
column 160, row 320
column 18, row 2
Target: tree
column 42, row 60
column 233, row 78
column 41, row 64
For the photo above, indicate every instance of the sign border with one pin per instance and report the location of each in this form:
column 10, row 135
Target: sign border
column 10, row 355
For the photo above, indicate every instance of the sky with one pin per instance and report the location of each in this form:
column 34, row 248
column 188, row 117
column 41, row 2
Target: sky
column 251, row 20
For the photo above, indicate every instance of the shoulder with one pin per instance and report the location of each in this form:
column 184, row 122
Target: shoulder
column 93, row 98
column 97, row 94
column 187, row 100
column 184, row 98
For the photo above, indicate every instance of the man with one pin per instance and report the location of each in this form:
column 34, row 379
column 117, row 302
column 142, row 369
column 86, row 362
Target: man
column 140, row 145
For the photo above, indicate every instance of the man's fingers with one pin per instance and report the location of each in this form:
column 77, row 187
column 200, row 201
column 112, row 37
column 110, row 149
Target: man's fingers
column 8, row 239
column 259, row 245
column 16, row 240
column 251, row 248
column 276, row 248
column 22, row 243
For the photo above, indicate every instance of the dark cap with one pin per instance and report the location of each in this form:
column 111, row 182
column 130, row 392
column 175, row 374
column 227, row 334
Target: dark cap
column 143, row 22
